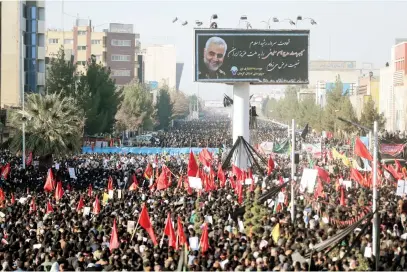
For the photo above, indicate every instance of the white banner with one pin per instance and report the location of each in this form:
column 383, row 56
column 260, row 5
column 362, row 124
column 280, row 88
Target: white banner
column 266, row 147
column 314, row 149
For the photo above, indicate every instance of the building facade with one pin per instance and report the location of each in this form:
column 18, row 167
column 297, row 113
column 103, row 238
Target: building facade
column 159, row 65
column 115, row 47
column 22, row 50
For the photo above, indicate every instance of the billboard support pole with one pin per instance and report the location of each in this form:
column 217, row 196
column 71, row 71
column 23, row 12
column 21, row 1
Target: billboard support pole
column 292, row 210
column 241, row 97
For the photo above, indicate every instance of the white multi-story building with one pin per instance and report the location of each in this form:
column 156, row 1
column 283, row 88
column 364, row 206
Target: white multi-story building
column 160, row 65
column 22, row 50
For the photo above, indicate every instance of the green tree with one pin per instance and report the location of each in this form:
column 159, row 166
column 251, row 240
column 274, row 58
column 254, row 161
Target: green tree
column 62, row 76
column 338, row 105
column 309, row 113
column 370, row 114
column 255, row 213
column 100, row 98
column 164, row 108
column 136, row 109
column 53, row 125
column 180, row 104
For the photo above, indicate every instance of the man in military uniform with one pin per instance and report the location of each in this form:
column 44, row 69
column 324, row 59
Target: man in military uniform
column 214, row 54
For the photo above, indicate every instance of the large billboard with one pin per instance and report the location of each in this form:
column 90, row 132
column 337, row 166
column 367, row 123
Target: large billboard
column 255, row 56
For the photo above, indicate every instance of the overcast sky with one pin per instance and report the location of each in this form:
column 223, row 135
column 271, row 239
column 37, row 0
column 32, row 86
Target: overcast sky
column 361, row 31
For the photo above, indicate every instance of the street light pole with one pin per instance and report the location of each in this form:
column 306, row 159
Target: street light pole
column 22, row 97
column 292, row 169
column 376, row 216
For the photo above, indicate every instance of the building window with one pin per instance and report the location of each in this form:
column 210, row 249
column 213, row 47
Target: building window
column 81, row 32
column 68, row 41
column 98, row 58
column 53, row 41
column 121, row 58
column 33, row 13
column 121, row 73
column 121, row 42
column 96, row 41
column 81, row 47
column 83, row 63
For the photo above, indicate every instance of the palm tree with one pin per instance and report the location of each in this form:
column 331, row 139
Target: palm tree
column 53, row 125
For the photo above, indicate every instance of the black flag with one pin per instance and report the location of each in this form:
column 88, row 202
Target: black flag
column 304, row 132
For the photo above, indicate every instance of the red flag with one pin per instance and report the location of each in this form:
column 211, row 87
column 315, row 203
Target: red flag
column 110, row 184
column 204, row 242
column 162, row 182
column 398, row 165
column 323, row 174
column 96, row 206
column 250, row 175
column 144, row 221
column 319, row 192
column 270, row 166
column 240, row 191
column 49, row 207
column 59, row 191
column 49, row 183
column 342, row 200
column 361, row 150
column 205, row 157
column 169, row 231
column 356, row 175
column 148, row 173
column 114, row 239
column 29, row 159
column 5, row 171
column 13, row 200
column 80, row 204
column 2, row 195
column 33, row 206
column 393, row 172
column 192, row 165
column 182, row 239
column 90, row 190
column 221, row 176
column 237, row 172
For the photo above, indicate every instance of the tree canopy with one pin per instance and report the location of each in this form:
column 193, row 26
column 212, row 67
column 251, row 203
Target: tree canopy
column 164, row 109
column 370, row 114
column 53, row 125
column 100, row 100
column 94, row 91
column 180, row 104
column 306, row 111
column 136, row 109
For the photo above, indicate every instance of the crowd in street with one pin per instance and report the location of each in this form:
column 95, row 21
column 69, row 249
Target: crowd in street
column 47, row 231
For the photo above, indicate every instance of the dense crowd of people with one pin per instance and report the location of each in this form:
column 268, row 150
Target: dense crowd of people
column 40, row 232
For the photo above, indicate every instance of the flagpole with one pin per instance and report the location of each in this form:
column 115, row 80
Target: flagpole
column 292, row 169
column 376, row 218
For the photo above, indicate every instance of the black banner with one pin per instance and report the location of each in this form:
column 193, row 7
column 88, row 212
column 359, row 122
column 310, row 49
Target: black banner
column 256, row 56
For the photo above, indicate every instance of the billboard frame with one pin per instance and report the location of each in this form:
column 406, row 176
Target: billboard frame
column 250, row 32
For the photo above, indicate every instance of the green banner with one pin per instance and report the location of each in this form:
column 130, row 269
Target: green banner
column 282, row 147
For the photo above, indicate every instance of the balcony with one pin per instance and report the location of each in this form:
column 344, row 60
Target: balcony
column 41, row 79
column 41, row 53
column 41, row 27
column 41, row 4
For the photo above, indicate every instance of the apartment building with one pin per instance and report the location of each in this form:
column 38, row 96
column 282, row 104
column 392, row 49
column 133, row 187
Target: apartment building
column 114, row 47
column 160, row 65
column 22, row 50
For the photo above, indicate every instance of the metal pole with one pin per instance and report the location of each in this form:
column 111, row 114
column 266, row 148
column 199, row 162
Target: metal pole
column 292, row 169
column 376, row 219
column 22, row 96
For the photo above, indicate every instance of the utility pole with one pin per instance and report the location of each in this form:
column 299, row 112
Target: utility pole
column 292, row 170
